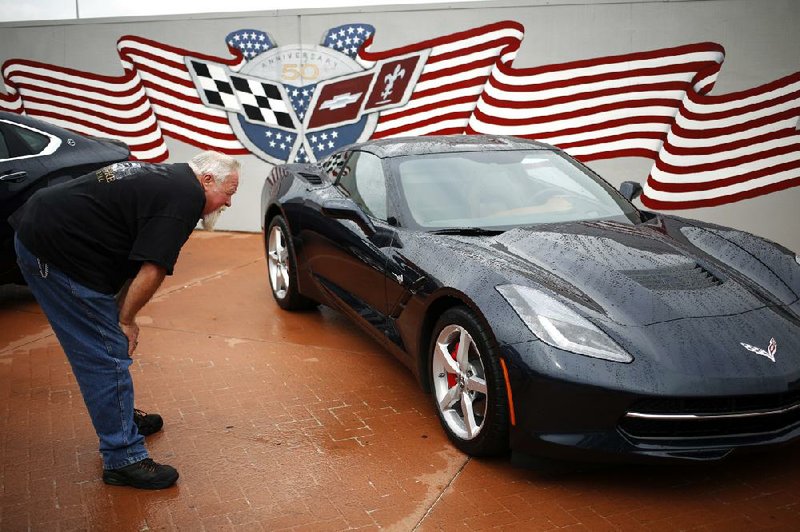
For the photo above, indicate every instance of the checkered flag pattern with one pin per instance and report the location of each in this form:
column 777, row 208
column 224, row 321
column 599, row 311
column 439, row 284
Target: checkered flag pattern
column 261, row 101
column 215, row 86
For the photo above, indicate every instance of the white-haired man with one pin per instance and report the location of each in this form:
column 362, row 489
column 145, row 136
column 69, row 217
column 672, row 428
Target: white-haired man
column 93, row 251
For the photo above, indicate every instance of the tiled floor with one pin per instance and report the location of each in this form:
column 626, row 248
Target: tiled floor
column 299, row 421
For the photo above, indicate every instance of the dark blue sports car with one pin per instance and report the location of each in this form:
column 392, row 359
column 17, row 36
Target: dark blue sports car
column 541, row 309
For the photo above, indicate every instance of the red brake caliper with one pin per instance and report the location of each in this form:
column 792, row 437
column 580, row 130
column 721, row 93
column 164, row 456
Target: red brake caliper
column 451, row 378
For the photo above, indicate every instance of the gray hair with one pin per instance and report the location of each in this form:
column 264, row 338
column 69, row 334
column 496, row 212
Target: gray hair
column 217, row 164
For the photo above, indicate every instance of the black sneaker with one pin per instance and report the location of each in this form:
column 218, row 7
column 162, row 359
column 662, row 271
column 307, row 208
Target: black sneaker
column 147, row 423
column 146, row 475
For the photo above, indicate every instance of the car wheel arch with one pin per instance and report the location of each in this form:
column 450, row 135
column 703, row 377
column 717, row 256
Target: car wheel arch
column 441, row 302
column 273, row 211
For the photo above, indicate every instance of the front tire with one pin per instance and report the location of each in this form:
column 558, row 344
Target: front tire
column 468, row 387
column 282, row 268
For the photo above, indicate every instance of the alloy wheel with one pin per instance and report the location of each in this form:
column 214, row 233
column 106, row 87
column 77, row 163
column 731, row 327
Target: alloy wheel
column 459, row 381
column 277, row 259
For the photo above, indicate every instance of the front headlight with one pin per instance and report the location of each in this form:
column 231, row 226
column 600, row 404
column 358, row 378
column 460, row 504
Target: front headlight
column 556, row 324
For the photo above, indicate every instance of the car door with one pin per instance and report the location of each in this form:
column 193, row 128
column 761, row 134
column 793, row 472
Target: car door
column 347, row 260
column 20, row 159
column 21, row 171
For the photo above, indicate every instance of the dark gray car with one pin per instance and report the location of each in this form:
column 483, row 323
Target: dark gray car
column 33, row 155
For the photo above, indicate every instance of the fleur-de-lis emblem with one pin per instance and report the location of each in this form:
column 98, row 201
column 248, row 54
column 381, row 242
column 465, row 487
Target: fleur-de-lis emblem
column 389, row 80
column 773, row 347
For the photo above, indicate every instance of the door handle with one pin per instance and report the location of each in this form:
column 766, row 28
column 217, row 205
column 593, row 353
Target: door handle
column 14, row 176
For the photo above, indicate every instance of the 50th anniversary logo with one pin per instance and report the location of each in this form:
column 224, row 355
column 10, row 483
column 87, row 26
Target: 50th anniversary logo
column 300, row 103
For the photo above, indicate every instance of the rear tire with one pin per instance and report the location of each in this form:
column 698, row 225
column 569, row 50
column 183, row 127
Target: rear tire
column 282, row 268
column 468, row 387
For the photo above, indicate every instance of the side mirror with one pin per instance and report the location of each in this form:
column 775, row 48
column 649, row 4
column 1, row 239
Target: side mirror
column 630, row 190
column 345, row 209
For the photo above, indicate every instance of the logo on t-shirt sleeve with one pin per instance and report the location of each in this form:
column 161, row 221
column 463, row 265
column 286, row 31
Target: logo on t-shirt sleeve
column 118, row 171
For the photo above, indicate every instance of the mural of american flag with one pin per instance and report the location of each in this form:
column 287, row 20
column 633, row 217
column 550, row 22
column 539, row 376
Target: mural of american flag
column 707, row 149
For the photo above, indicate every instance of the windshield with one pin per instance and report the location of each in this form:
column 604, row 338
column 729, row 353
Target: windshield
column 504, row 189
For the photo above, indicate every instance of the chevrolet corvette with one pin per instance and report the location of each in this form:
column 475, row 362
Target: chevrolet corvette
column 542, row 311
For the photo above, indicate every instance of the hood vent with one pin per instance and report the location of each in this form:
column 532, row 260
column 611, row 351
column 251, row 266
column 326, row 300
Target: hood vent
column 314, row 179
column 680, row 277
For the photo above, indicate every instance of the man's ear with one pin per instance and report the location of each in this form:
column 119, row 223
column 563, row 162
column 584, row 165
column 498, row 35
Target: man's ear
column 208, row 180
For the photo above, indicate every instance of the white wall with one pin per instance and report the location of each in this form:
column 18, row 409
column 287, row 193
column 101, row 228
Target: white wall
column 760, row 38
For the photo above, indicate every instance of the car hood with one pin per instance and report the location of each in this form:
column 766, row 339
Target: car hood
column 631, row 275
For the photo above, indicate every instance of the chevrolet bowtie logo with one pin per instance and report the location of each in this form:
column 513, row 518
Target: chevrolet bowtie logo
column 340, row 101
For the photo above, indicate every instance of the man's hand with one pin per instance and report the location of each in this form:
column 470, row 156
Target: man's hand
column 131, row 331
column 139, row 292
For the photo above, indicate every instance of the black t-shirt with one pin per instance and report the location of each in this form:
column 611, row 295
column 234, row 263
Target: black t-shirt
column 100, row 227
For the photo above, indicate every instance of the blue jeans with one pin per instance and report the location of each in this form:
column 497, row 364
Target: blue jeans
column 87, row 326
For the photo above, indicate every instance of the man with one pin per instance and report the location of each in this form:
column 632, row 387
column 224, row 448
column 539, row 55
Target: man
column 93, row 251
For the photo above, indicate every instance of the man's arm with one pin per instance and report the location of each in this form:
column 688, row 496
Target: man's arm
column 139, row 292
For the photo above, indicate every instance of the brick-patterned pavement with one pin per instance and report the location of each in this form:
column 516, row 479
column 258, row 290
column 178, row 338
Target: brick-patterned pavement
column 280, row 421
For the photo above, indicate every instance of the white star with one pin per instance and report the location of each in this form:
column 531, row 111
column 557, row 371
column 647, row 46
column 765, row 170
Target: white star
column 350, row 30
column 360, row 29
column 279, row 136
column 261, row 37
column 230, row 42
column 253, row 35
column 330, row 144
column 288, row 139
column 341, row 33
column 269, row 133
column 283, row 146
column 334, row 134
column 366, row 35
column 272, row 144
column 320, row 146
column 353, row 49
column 348, row 41
column 237, row 37
column 314, row 139
column 295, row 92
column 305, row 92
column 324, row 136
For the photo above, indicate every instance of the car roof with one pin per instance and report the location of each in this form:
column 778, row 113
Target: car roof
column 35, row 123
column 401, row 146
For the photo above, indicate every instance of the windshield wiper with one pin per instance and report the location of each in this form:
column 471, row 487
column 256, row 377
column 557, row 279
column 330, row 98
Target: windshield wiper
column 468, row 231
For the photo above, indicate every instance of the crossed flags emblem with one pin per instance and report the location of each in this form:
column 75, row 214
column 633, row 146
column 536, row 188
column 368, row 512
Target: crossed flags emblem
column 325, row 111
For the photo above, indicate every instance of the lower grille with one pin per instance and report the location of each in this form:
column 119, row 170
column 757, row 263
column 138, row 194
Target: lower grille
column 716, row 417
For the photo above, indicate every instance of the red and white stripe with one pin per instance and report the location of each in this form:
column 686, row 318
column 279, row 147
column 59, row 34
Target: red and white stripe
column 452, row 80
column 599, row 108
column 727, row 148
column 162, row 71
column 89, row 104
column 155, row 97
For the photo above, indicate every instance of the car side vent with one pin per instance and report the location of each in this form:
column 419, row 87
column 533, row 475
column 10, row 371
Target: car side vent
column 680, row 277
column 314, row 179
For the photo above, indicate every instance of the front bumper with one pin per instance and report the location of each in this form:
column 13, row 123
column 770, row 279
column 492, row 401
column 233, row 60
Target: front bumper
column 566, row 416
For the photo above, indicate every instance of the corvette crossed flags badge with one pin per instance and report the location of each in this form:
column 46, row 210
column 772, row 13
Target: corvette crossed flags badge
column 318, row 102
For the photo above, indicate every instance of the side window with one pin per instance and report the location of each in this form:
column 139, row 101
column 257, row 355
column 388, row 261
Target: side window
column 19, row 141
column 3, row 145
column 364, row 181
column 35, row 141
